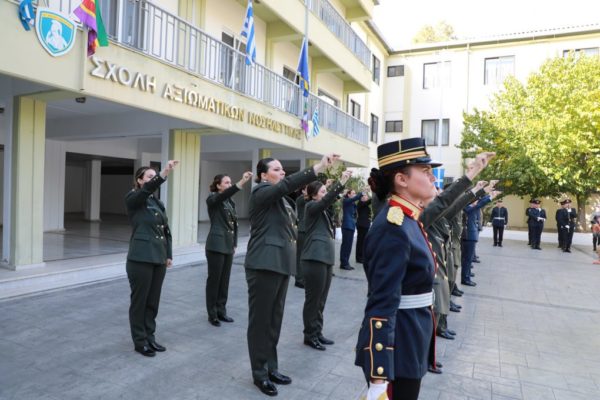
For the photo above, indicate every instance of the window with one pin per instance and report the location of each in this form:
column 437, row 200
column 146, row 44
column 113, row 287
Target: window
column 326, row 97
column 395, row 70
column 590, row 51
column 394, row 126
column 227, row 60
column 435, row 74
column 430, row 131
column 497, row 69
column 291, row 75
column 374, row 127
column 355, row 109
column 376, row 69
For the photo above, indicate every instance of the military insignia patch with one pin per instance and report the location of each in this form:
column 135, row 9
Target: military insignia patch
column 395, row 215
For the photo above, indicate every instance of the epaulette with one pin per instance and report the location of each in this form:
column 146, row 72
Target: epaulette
column 395, row 215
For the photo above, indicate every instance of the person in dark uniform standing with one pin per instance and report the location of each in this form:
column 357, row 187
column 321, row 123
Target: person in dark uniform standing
column 499, row 219
column 221, row 243
column 318, row 257
column 348, row 227
column 558, row 230
column 566, row 218
column 470, row 237
column 150, row 254
column 300, row 203
column 395, row 335
column 363, row 223
column 536, row 219
column 270, row 260
column 529, row 228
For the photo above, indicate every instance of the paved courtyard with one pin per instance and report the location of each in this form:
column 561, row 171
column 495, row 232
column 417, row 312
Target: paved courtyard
column 529, row 330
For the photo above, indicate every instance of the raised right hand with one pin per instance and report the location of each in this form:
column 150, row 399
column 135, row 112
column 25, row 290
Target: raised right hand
column 345, row 176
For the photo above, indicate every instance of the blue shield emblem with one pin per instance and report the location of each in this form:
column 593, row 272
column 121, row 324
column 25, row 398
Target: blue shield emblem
column 56, row 31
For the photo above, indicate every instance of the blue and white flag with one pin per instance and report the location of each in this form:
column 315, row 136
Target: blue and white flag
column 248, row 33
column 26, row 14
column 315, row 120
column 439, row 177
column 304, row 82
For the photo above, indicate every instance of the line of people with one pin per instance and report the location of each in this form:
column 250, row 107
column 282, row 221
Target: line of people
column 413, row 249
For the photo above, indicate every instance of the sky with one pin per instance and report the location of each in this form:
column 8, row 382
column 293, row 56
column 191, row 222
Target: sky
column 400, row 20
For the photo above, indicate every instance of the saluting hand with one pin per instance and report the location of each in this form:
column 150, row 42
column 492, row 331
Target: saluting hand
column 245, row 178
column 329, row 182
column 478, row 164
column 326, row 161
column 479, row 185
column 345, row 176
column 171, row 164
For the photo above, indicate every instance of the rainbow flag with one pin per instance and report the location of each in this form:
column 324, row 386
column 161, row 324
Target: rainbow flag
column 89, row 14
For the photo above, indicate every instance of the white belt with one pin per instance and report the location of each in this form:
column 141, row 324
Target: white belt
column 499, row 218
column 416, row 301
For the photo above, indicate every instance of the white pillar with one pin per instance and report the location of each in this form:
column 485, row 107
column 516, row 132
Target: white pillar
column 54, row 186
column 93, row 180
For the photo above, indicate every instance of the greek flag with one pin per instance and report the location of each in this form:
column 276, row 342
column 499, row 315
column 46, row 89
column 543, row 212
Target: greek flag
column 315, row 120
column 26, row 14
column 248, row 33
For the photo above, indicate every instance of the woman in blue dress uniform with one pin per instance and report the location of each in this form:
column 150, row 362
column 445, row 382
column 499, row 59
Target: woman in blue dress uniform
column 393, row 342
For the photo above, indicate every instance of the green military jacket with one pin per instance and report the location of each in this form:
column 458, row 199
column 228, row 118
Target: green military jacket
column 273, row 229
column 150, row 237
column 319, row 244
column 300, row 204
column 223, row 234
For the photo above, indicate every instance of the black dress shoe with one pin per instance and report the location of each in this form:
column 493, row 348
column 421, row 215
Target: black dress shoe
column 468, row 283
column 445, row 335
column 214, row 321
column 434, row 370
column 324, row 340
column 145, row 351
column 456, row 292
column 568, row 250
column 347, row 267
column 454, row 308
column 438, row 364
column 315, row 344
column 495, row 244
column 225, row 318
column 476, row 260
column 455, row 305
column 299, row 285
column 280, row 379
column 155, row 346
column 499, row 244
column 451, row 332
column 266, row 387
column 537, row 248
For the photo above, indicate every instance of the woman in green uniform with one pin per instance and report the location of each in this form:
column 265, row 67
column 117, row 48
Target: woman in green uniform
column 270, row 260
column 318, row 257
column 150, row 254
column 221, row 243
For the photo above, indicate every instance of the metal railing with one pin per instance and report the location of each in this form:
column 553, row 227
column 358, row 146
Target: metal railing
column 340, row 28
column 149, row 29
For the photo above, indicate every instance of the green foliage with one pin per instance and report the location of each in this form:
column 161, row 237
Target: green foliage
column 441, row 32
column 546, row 132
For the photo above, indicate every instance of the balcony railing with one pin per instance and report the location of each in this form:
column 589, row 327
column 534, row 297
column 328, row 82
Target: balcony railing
column 340, row 28
column 149, row 29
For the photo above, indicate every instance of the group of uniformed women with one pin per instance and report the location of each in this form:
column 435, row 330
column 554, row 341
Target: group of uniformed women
column 401, row 265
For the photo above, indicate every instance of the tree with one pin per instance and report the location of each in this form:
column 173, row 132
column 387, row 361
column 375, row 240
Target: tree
column 441, row 32
column 546, row 132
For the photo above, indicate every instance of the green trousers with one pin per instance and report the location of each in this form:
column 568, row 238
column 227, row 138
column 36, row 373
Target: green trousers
column 217, row 283
column 317, row 280
column 146, row 281
column 266, row 300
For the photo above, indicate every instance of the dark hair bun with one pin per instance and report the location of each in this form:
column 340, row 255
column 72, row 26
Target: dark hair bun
column 379, row 184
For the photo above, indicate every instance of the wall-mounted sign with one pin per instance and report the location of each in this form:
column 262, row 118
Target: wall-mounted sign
column 56, row 31
column 179, row 94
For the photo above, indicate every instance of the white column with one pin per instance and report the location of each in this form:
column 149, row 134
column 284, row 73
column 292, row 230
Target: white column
column 93, row 180
column 54, row 186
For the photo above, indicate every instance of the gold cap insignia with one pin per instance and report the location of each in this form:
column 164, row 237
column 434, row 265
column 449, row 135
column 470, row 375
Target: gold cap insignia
column 395, row 215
